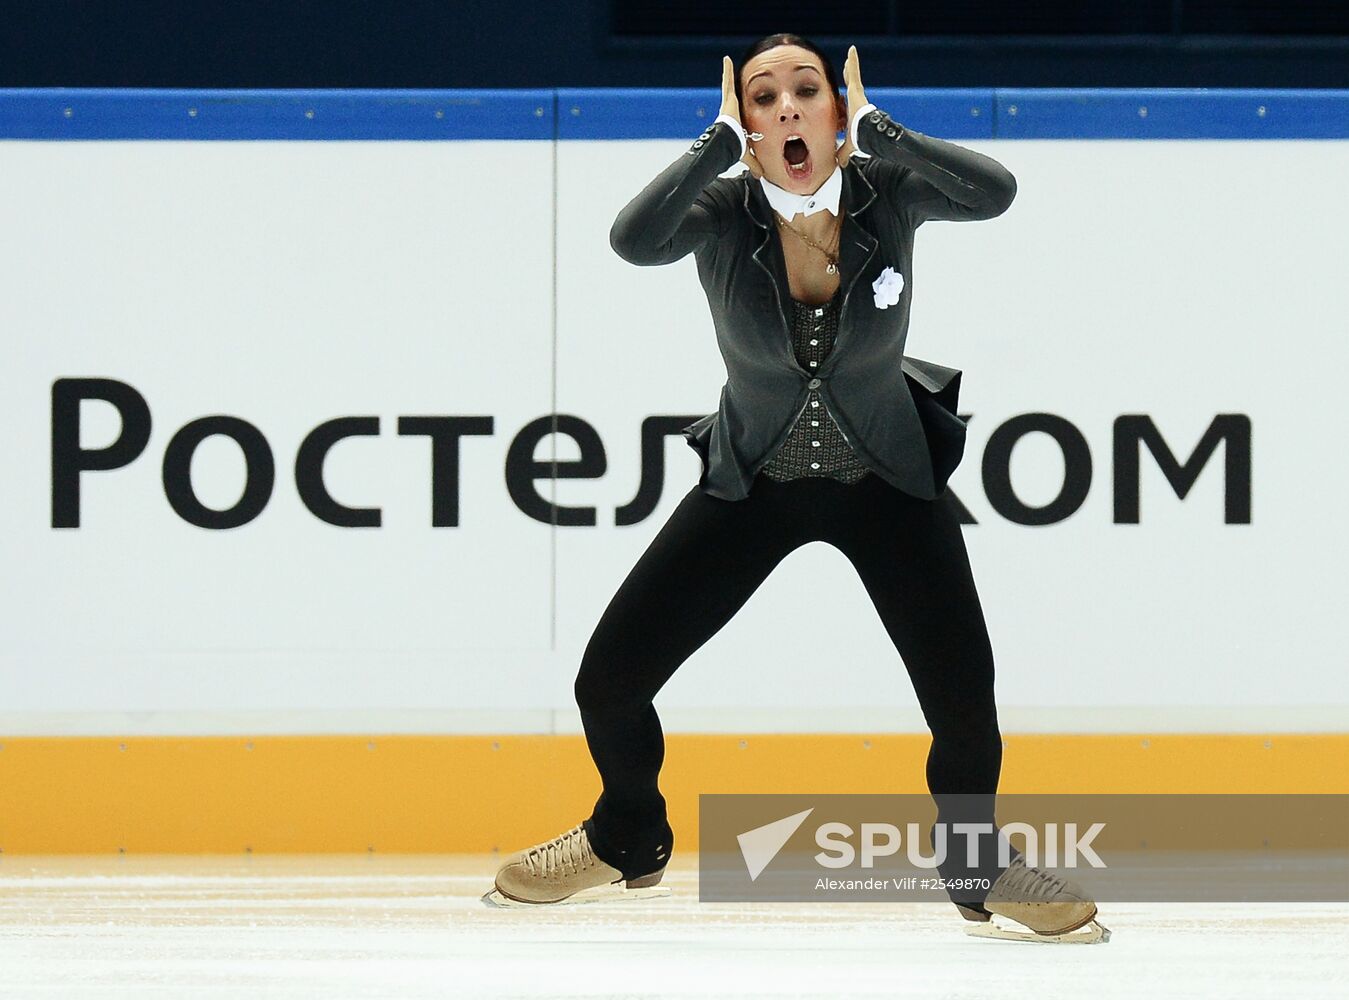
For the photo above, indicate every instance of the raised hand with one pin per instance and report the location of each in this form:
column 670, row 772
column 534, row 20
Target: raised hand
column 857, row 98
column 730, row 106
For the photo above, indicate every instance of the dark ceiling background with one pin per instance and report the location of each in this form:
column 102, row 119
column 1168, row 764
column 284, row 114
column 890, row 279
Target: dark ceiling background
column 593, row 43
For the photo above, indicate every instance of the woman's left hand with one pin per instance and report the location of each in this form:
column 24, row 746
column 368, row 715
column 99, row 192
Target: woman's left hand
column 857, row 98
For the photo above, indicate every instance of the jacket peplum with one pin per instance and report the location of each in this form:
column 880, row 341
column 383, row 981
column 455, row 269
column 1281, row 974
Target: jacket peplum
column 727, row 223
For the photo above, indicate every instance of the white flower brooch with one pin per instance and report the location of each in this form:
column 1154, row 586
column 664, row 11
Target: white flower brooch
column 887, row 288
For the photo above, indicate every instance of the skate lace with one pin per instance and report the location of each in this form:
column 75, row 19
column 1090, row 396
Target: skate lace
column 1031, row 883
column 570, row 850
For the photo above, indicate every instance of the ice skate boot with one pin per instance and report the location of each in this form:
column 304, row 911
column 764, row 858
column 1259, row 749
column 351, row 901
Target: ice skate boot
column 1055, row 909
column 566, row 870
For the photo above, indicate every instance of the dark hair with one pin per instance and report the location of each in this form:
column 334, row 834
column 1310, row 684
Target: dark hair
column 786, row 38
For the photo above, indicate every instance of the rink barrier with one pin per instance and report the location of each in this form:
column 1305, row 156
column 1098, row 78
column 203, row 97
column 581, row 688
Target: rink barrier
column 668, row 113
column 478, row 794
column 468, row 793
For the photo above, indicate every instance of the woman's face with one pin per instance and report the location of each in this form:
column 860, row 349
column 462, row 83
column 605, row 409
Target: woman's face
column 785, row 95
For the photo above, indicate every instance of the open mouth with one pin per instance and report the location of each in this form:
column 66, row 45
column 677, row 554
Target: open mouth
column 797, row 155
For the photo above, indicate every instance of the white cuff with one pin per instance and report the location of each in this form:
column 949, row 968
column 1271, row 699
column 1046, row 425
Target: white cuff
column 852, row 128
column 737, row 128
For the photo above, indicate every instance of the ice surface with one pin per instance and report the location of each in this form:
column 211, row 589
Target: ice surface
column 413, row 926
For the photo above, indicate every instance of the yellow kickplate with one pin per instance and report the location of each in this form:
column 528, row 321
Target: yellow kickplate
column 479, row 794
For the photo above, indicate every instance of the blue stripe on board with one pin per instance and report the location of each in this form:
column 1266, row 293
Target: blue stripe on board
column 610, row 113
column 616, row 113
column 276, row 114
column 1172, row 114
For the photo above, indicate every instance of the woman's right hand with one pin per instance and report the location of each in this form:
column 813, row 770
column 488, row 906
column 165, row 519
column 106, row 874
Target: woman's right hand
column 730, row 106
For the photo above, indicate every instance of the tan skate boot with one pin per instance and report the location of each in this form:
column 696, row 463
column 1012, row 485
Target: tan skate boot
column 566, row 870
column 1052, row 907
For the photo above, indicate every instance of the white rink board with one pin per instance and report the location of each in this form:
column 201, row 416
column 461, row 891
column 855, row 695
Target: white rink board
column 1128, row 277
column 288, row 284
column 293, row 283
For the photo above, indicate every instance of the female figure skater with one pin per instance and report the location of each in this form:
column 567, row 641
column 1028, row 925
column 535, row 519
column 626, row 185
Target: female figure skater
column 805, row 258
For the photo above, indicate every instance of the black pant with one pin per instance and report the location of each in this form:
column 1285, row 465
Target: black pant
column 702, row 567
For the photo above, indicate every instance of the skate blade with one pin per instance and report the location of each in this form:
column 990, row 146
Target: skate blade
column 597, row 894
column 1090, row 933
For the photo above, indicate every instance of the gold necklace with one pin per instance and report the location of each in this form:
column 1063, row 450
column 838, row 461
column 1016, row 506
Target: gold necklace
column 832, row 268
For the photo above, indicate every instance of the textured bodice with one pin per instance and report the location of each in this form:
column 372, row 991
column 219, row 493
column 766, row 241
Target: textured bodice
column 815, row 446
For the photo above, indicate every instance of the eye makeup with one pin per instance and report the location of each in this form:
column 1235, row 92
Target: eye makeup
column 766, row 96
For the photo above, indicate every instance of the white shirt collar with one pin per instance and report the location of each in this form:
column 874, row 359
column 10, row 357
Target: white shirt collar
column 788, row 204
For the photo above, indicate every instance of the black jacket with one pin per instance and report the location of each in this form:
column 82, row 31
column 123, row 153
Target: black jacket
column 898, row 414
